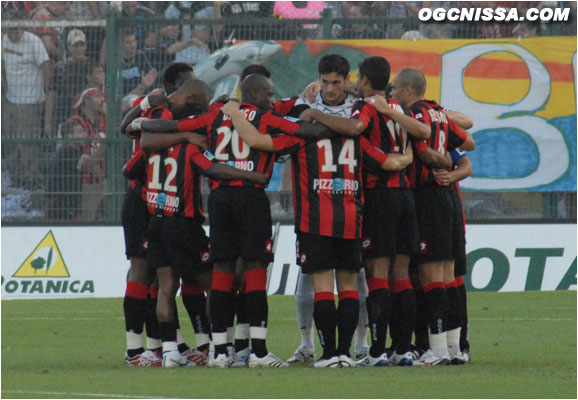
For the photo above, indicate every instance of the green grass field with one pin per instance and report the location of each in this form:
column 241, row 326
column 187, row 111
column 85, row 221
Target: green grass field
column 523, row 346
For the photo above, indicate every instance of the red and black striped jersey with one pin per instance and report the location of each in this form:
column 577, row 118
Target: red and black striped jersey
column 327, row 182
column 158, row 112
column 228, row 147
column 174, row 179
column 445, row 136
column 388, row 136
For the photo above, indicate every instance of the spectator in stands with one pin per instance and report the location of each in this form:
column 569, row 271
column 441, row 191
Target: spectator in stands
column 495, row 29
column 406, row 14
column 25, row 7
column 90, row 114
column 26, row 76
column 89, row 11
column 438, row 30
column 241, row 10
column 95, row 76
column 138, row 75
column 65, row 183
column 134, row 10
column 69, row 79
column 196, row 39
column 54, row 10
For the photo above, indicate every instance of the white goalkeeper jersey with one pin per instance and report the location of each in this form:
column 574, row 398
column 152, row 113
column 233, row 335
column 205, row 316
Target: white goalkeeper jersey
column 341, row 110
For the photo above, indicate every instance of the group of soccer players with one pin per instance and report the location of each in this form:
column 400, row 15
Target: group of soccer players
column 372, row 190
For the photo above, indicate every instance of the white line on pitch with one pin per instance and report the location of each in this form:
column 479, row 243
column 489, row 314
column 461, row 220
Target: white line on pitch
column 120, row 396
column 63, row 318
column 522, row 319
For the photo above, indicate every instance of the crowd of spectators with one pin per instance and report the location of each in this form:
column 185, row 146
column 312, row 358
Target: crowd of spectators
column 53, row 76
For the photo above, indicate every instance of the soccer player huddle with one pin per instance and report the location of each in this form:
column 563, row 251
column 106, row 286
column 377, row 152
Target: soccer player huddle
column 377, row 215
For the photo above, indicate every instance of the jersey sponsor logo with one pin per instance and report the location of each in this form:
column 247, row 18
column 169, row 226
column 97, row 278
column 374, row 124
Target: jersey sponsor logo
column 166, row 202
column 245, row 165
column 336, row 186
column 209, row 155
column 45, row 261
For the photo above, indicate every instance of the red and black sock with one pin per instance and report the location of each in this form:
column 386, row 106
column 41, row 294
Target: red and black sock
column 437, row 306
column 220, row 308
column 257, row 308
column 195, row 302
column 325, row 317
column 134, row 305
column 347, row 317
column 378, row 313
column 403, row 315
column 463, row 310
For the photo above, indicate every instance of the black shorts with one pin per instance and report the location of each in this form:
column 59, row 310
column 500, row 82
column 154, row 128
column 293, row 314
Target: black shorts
column 320, row 253
column 180, row 243
column 459, row 245
column 240, row 220
column 135, row 223
column 435, row 217
column 389, row 223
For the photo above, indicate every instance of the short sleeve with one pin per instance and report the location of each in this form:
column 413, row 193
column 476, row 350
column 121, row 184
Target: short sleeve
column 373, row 158
column 456, row 135
column 283, row 144
column 421, row 145
column 200, row 158
column 362, row 112
column 275, row 123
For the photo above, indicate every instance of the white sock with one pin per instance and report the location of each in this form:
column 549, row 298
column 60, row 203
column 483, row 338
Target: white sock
column 304, row 296
column 180, row 339
column 242, row 331
column 454, row 341
column 219, row 338
column 201, row 339
column 153, row 343
column 362, row 330
column 133, row 340
column 170, row 346
column 439, row 343
column 257, row 332
column 230, row 334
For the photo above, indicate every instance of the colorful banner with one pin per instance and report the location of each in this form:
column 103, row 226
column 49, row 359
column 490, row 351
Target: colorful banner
column 520, row 93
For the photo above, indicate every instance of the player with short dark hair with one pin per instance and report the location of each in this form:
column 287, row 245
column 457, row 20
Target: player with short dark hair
column 435, row 213
column 240, row 215
column 328, row 199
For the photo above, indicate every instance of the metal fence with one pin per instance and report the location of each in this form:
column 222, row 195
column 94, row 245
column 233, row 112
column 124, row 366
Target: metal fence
column 61, row 147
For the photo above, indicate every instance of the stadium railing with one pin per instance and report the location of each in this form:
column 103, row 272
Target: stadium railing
column 52, row 195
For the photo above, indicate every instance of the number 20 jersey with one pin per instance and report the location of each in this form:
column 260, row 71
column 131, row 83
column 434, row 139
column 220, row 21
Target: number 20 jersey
column 228, row 147
column 327, row 185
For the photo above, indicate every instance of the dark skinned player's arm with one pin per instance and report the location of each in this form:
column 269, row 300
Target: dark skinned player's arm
column 224, row 172
column 135, row 112
column 153, row 125
column 160, row 141
column 309, row 130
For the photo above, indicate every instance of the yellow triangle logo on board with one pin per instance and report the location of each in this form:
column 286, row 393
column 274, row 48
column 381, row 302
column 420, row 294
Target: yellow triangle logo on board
column 44, row 261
